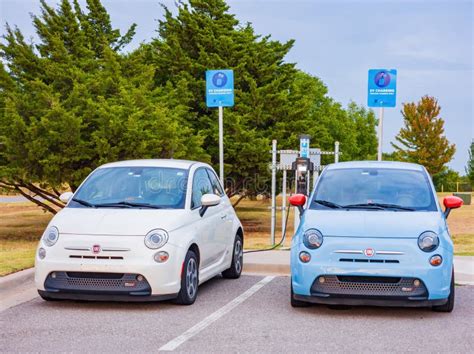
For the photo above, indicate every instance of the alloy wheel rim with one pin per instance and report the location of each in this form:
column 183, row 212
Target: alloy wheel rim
column 191, row 278
column 238, row 256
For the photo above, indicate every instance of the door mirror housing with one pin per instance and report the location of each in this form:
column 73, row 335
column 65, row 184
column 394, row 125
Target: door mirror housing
column 65, row 197
column 451, row 202
column 208, row 200
column 298, row 200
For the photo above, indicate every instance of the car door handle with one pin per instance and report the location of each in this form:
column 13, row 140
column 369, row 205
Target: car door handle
column 223, row 216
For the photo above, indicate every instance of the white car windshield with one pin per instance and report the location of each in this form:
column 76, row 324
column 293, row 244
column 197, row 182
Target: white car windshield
column 374, row 188
column 133, row 187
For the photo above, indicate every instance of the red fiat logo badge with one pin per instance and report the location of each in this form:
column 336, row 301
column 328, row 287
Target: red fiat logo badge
column 96, row 249
column 369, row 252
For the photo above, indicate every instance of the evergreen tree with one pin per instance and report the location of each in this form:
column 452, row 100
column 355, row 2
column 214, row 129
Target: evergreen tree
column 73, row 102
column 422, row 139
column 273, row 99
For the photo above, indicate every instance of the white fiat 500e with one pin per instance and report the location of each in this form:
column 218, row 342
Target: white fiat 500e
column 140, row 230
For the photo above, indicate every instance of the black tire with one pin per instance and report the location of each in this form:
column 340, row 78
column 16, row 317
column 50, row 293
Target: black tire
column 189, row 280
column 237, row 260
column 449, row 306
column 297, row 303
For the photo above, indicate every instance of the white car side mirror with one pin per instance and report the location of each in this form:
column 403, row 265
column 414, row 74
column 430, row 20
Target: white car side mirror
column 208, row 200
column 66, row 196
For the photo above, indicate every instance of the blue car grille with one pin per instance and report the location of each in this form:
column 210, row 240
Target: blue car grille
column 368, row 286
column 94, row 282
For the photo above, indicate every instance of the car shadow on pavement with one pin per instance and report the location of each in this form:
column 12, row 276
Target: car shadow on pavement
column 205, row 292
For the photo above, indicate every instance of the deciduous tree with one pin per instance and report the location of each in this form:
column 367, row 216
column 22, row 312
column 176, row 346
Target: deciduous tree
column 422, row 139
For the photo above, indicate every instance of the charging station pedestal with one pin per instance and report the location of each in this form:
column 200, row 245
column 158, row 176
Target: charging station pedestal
column 306, row 163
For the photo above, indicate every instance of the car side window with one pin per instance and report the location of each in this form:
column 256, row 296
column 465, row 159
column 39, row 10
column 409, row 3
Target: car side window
column 216, row 185
column 201, row 185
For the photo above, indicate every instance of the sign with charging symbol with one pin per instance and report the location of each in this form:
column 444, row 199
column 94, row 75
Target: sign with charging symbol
column 220, row 93
column 382, row 88
column 220, row 88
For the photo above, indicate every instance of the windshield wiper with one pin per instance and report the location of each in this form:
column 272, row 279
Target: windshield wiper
column 379, row 206
column 327, row 203
column 125, row 204
column 83, row 202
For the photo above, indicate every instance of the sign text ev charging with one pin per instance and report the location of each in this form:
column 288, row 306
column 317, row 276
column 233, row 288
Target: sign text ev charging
column 382, row 88
column 219, row 88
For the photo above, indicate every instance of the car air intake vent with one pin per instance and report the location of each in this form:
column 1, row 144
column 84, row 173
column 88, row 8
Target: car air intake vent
column 94, row 257
column 97, row 283
column 94, row 275
column 363, row 260
column 362, row 279
column 355, row 286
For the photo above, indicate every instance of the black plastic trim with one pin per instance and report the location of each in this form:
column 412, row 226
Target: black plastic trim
column 368, row 301
column 97, row 296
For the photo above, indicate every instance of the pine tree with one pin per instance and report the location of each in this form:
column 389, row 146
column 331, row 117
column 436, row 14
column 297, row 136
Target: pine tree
column 422, row 138
column 74, row 101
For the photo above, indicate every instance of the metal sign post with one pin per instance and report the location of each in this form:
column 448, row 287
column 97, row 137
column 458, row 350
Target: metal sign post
column 220, row 93
column 382, row 92
column 379, row 149
column 221, row 144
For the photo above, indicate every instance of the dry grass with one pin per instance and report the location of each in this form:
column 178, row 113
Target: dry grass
column 21, row 226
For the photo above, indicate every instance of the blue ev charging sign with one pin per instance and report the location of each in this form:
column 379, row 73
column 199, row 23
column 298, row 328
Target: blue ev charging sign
column 219, row 88
column 382, row 88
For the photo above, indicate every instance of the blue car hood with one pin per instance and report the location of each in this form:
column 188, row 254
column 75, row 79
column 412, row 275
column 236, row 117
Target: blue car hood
column 363, row 223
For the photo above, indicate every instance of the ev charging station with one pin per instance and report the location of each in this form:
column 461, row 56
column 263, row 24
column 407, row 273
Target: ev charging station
column 306, row 165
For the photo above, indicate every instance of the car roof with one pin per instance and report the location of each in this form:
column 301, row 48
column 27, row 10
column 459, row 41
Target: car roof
column 376, row 164
column 171, row 163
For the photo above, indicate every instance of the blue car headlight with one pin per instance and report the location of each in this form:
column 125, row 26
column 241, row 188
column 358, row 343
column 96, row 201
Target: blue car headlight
column 428, row 241
column 313, row 238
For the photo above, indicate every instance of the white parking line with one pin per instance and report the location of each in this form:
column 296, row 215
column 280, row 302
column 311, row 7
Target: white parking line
column 175, row 343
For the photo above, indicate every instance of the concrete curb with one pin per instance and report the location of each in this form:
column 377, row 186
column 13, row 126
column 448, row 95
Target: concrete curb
column 17, row 279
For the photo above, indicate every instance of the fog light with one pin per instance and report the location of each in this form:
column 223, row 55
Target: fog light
column 139, row 277
column 161, row 256
column 305, row 257
column 416, row 282
column 41, row 253
column 436, row 260
column 322, row 279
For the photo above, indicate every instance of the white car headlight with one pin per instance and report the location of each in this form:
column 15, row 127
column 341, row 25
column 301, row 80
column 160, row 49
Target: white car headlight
column 50, row 236
column 156, row 239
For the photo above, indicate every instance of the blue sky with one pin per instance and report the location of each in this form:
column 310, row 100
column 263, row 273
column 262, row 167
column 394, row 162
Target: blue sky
column 430, row 43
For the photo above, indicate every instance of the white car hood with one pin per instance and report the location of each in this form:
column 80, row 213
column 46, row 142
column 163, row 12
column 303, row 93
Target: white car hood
column 120, row 222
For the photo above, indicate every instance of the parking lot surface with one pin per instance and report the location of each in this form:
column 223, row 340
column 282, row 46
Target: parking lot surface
column 251, row 314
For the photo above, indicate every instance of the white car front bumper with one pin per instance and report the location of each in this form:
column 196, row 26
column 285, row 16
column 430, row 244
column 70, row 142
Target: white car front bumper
column 70, row 269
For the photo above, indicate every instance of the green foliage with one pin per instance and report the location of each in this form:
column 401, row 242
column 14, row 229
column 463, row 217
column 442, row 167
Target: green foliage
column 74, row 100
column 422, row 139
column 446, row 180
column 470, row 165
column 273, row 99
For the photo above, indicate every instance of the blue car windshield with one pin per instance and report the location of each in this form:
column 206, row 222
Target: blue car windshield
column 374, row 188
column 133, row 187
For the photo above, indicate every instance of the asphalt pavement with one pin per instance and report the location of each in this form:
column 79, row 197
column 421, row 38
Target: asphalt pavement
column 251, row 314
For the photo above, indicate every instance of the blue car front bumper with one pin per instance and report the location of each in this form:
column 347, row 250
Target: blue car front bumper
column 382, row 279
